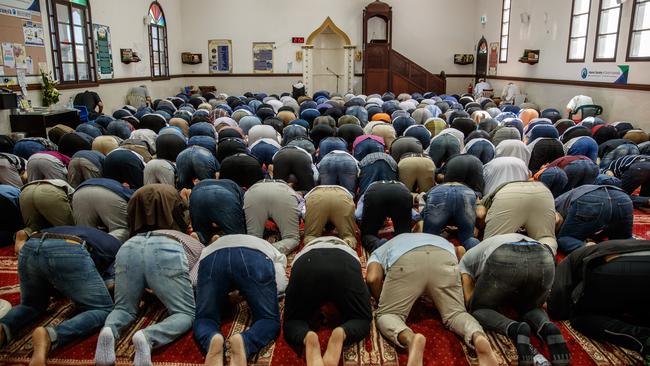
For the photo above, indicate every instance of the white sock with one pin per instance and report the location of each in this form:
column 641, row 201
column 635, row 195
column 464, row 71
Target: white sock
column 142, row 349
column 105, row 351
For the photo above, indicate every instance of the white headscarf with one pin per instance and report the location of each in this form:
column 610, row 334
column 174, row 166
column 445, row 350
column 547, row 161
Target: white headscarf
column 513, row 148
column 503, row 170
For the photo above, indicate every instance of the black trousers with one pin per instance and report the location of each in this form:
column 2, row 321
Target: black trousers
column 321, row 276
column 243, row 169
column 296, row 162
column 466, row 169
column 615, row 303
column 383, row 200
column 12, row 222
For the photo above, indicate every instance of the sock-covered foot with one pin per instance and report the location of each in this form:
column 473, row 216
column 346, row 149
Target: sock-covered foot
column 105, row 351
column 520, row 334
column 142, row 349
column 557, row 347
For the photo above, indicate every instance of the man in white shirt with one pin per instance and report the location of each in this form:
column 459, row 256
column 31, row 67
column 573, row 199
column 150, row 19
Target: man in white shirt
column 326, row 270
column 414, row 264
column 577, row 102
column 509, row 93
column 480, row 87
column 254, row 267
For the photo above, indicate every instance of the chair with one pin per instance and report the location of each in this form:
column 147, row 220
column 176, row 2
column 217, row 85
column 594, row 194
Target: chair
column 83, row 113
column 588, row 110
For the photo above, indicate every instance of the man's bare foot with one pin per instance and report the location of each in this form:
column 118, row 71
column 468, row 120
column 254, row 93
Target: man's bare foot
column 21, row 238
column 416, row 350
column 484, row 351
column 312, row 350
column 214, row 357
column 334, row 347
column 42, row 344
column 237, row 351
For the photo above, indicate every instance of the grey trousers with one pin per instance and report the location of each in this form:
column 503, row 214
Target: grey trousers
column 9, row 175
column 98, row 207
column 276, row 201
column 43, row 166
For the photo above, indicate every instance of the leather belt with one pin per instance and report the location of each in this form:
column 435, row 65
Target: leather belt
column 68, row 238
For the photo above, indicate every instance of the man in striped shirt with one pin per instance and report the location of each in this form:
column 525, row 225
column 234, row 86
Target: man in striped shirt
column 634, row 172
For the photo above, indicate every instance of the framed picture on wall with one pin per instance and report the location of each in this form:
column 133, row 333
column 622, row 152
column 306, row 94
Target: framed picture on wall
column 494, row 59
column 220, row 56
column 103, row 51
column 263, row 57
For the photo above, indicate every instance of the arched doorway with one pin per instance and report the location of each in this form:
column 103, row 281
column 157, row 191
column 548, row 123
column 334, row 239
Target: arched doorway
column 328, row 63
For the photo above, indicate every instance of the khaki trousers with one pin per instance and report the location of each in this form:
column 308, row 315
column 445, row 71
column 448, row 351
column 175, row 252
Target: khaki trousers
column 330, row 204
column 386, row 131
column 523, row 204
column 44, row 205
column 418, row 170
column 99, row 207
column 276, row 201
column 429, row 270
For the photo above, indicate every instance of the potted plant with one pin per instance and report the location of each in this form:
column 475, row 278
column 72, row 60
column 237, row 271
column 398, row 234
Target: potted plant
column 50, row 93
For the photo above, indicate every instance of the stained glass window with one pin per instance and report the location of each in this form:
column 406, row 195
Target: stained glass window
column 158, row 42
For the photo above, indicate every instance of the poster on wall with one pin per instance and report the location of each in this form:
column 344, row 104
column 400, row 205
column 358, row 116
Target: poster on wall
column 33, row 34
column 8, row 59
column 20, row 55
column 606, row 74
column 263, row 57
column 20, row 8
column 493, row 59
column 220, row 56
column 103, row 51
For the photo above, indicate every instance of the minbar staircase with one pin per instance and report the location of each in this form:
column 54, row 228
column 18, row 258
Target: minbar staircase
column 407, row 77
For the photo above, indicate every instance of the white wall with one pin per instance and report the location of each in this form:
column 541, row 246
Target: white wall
column 128, row 30
column 548, row 31
column 421, row 30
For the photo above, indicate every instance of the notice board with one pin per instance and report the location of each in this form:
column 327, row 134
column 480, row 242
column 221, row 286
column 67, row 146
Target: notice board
column 21, row 29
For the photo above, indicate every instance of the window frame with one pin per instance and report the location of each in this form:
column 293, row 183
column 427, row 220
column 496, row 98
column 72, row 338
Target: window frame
column 586, row 37
column 628, row 57
column 598, row 34
column 501, row 48
column 55, row 48
column 150, row 27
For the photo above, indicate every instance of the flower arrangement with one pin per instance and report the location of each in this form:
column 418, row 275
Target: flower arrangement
column 50, row 93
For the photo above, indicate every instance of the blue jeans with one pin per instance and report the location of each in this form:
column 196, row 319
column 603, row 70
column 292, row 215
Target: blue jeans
column 442, row 148
column 219, row 204
column 366, row 147
column 253, row 274
column 483, row 150
column 451, row 204
column 555, row 179
column 603, row 209
column 375, row 171
column 46, row 265
column 580, row 172
column 585, row 146
column 339, row 169
column 264, row 152
column 195, row 162
column 330, row 144
column 27, row 148
column 159, row 263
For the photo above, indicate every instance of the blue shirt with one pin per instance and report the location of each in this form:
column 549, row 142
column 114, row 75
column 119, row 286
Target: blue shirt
column 394, row 249
column 11, row 193
column 564, row 201
column 95, row 157
column 101, row 246
column 110, row 184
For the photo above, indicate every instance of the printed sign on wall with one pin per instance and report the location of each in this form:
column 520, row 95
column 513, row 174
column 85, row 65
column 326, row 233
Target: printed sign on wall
column 263, row 57
column 613, row 74
column 220, row 56
column 494, row 59
column 103, row 51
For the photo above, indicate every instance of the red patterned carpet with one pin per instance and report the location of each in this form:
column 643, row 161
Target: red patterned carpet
column 443, row 347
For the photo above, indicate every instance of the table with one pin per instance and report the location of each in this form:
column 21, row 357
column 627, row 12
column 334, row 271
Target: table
column 35, row 123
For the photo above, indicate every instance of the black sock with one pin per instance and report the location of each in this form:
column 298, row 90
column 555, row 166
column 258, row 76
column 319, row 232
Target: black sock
column 553, row 338
column 520, row 334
